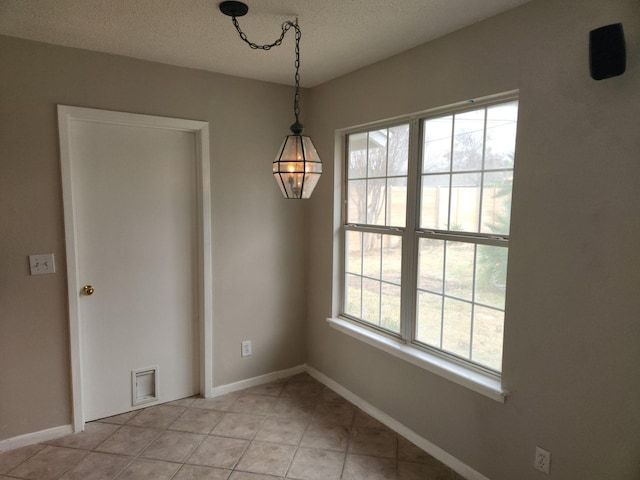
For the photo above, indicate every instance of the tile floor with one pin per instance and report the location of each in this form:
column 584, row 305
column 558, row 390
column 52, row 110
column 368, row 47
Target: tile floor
column 295, row 428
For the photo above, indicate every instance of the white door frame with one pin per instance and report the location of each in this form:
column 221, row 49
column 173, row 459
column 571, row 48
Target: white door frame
column 67, row 115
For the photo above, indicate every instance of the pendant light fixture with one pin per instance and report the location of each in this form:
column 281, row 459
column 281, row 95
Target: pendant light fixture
column 297, row 166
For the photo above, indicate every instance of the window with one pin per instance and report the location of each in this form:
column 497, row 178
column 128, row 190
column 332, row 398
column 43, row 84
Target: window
column 427, row 207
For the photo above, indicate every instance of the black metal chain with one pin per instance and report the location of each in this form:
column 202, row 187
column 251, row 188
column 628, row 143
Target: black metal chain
column 286, row 26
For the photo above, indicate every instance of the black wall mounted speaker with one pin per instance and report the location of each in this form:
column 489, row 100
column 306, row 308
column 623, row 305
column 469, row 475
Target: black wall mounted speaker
column 607, row 52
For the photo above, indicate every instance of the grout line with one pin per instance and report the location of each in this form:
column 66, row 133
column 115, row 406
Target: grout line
column 315, row 403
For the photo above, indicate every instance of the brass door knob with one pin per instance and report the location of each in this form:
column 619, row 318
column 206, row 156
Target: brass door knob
column 88, row 290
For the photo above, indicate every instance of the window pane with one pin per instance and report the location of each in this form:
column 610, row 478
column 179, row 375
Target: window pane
column 501, row 135
column 371, row 301
column 488, row 337
column 377, row 177
column 392, row 259
column 357, row 167
column 376, row 201
column 353, row 295
column 456, row 328
column 468, row 142
column 431, row 265
column 429, row 318
column 398, row 163
column 465, row 202
column 377, row 165
column 397, row 202
column 464, row 190
column 371, row 255
column 356, row 201
column 496, row 202
column 390, row 307
column 460, row 260
column 491, row 276
column 436, row 156
column 353, row 248
column 434, row 202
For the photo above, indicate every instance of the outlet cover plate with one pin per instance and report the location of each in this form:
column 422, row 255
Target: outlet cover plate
column 246, row 348
column 542, row 461
column 42, row 264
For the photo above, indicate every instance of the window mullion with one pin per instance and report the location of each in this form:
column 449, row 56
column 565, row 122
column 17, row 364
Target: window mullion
column 483, row 171
column 409, row 238
column 453, row 136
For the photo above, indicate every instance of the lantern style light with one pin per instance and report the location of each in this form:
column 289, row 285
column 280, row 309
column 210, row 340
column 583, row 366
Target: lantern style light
column 297, row 166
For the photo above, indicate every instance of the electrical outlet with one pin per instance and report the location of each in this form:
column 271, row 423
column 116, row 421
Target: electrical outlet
column 246, row 348
column 542, row 461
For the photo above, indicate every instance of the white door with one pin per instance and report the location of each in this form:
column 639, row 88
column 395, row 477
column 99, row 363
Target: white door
column 134, row 194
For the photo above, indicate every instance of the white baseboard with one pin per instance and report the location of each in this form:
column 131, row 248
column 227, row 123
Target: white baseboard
column 255, row 381
column 57, row 432
column 433, row 450
column 449, row 460
column 35, row 437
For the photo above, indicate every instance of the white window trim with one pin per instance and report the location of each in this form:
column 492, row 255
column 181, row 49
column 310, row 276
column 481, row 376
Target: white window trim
column 487, row 385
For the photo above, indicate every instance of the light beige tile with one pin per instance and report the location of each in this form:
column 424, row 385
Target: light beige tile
column 129, row 440
column 282, row 430
column 302, row 389
column 267, row 458
column 194, row 472
column 408, row 452
column 254, row 404
column 362, row 419
column 315, row 464
column 272, row 388
column 173, row 446
column 49, row 463
column 334, row 413
column 93, row 435
column 220, row 452
column 371, row 441
column 252, row 476
column 98, row 466
column 359, row 467
column 223, row 402
column 238, row 425
column 278, row 416
column 420, row 471
column 121, row 419
column 160, row 416
column 149, row 470
column 293, row 407
column 329, row 395
column 197, row 420
column 328, row 437
column 302, row 378
column 11, row 459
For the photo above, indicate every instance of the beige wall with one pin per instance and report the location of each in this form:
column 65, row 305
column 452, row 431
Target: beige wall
column 573, row 308
column 258, row 263
column 571, row 340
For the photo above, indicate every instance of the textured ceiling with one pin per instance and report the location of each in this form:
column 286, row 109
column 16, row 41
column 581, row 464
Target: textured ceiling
column 338, row 36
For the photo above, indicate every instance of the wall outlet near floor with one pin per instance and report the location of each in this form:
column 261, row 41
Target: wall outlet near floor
column 542, row 461
column 246, row 348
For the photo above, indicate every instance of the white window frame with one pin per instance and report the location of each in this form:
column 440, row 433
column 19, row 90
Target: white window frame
column 463, row 373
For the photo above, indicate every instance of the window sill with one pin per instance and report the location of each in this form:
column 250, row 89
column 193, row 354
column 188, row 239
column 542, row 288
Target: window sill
column 484, row 384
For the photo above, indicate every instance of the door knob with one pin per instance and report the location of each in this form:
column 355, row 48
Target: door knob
column 88, row 290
